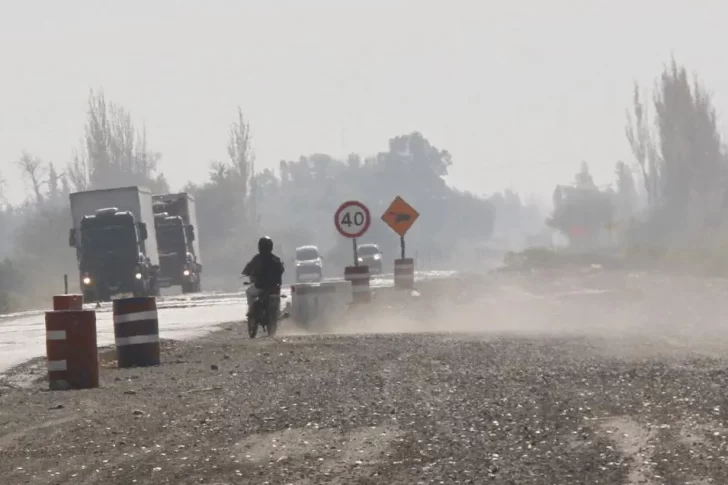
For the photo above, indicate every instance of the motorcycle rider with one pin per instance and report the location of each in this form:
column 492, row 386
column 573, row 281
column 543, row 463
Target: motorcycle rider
column 265, row 271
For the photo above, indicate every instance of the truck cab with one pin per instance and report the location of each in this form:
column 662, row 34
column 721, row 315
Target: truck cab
column 309, row 264
column 110, row 248
column 178, row 265
column 175, row 218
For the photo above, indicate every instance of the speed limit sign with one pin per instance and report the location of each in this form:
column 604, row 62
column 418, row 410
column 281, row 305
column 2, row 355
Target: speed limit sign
column 352, row 219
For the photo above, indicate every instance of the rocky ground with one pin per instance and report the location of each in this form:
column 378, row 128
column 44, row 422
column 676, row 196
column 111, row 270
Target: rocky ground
column 596, row 379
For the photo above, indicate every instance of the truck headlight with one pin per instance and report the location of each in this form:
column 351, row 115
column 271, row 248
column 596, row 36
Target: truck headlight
column 360, row 259
column 377, row 257
column 86, row 280
column 138, row 276
column 186, row 272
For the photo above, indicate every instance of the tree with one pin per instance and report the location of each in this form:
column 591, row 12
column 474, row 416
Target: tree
column 114, row 153
column 57, row 187
column 240, row 172
column 33, row 172
column 640, row 139
column 508, row 212
column 691, row 149
column 626, row 189
column 683, row 165
column 78, row 172
column 295, row 205
column 242, row 157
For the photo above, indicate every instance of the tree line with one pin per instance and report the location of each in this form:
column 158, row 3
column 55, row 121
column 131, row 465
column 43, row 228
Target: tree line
column 673, row 196
column 237, row 203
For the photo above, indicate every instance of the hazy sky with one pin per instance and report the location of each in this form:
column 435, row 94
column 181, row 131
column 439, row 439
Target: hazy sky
column 518, row 91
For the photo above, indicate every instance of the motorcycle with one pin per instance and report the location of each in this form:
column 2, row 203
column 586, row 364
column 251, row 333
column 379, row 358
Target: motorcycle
column 265, row 312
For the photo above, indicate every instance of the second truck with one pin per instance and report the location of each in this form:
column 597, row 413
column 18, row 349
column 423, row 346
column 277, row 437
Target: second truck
column 175, row 219
column 115, row 241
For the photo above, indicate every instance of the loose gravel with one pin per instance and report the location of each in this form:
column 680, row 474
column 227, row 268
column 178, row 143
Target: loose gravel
column 545, row 405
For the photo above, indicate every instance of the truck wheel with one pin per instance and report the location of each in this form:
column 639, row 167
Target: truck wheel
column 156, row 289
column 152, row 288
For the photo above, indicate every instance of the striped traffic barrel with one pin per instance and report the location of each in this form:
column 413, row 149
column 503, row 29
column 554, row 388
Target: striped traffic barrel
column 404, row 273
column 136, row 331
column 359, row 278
column 71, row 350
column 67, row 302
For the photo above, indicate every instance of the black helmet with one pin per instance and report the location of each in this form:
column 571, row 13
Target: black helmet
column 265, row 245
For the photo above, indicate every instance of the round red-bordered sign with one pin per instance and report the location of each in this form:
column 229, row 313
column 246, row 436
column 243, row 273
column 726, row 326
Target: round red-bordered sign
column 352, row 219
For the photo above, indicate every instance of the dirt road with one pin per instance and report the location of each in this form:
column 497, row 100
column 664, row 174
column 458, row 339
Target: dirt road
column 562, row 398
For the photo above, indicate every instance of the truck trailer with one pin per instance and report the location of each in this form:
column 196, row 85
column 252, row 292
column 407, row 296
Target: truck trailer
column 116, row 249
column 175, row 219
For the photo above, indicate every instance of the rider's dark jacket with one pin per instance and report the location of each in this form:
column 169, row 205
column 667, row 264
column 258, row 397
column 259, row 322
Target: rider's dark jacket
column 266, row 270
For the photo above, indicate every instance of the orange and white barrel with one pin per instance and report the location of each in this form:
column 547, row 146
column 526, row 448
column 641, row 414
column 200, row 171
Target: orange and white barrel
column 67, row 302
column 71, row 349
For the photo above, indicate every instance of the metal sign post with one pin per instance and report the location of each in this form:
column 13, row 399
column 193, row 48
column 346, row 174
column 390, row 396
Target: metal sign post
column 352, row 220
column 400, row 216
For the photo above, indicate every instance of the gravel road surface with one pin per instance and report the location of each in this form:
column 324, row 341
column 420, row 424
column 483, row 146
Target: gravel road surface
column 616, row 379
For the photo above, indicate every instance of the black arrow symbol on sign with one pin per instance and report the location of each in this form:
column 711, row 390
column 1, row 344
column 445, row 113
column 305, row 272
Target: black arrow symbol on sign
column 398, row 217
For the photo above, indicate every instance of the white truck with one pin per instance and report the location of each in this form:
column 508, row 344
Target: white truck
column 175, row 219
column 116, row 245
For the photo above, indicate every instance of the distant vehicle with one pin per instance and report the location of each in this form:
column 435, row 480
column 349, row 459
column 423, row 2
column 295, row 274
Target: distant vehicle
column 175, row 219
column 116, row 246
column 309, row 264
column 370, row 255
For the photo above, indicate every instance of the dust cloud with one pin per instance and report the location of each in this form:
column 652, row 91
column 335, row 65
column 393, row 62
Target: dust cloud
column 626, row 314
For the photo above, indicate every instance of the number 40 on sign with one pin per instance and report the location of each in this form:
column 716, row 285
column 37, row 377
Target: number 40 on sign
column 352, row 220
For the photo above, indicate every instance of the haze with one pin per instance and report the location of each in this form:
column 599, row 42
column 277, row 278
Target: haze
column 519, row 92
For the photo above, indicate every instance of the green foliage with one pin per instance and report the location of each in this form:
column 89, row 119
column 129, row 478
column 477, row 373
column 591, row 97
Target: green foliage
column 683, row 163
column 296, row 206
column 237, row 204
column 114, row 153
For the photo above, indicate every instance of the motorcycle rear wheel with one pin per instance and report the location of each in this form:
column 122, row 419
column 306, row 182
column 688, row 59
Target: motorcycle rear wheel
column 252, row 327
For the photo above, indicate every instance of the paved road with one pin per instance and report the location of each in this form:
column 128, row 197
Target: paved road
column 22, row 335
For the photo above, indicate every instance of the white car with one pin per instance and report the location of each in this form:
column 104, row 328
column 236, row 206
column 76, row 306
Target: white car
column 309, row 264
column 370, row 255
